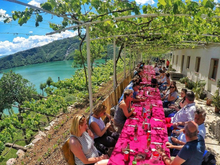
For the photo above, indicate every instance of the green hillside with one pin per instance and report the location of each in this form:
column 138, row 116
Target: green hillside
column 55, row 51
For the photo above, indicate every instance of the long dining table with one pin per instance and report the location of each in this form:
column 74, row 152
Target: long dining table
column 158, row 129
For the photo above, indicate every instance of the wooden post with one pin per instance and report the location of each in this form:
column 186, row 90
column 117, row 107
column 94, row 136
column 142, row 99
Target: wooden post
column 89, row 67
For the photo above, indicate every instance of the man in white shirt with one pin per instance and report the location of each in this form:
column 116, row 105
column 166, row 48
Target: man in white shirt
column 187, row 112
column 179, row 142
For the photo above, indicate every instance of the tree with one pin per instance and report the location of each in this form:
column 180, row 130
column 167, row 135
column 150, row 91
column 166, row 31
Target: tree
column 97, row 51
column 49, row 81
column 172, row 24
column 15, row 91
column 42, row 86
column 80, row 11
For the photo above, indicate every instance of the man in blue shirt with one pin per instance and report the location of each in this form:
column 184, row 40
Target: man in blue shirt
column 192, row 151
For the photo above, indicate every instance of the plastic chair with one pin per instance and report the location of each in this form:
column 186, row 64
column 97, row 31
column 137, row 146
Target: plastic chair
column 67, row 153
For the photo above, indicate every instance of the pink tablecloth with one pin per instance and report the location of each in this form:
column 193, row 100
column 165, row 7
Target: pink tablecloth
column 127, row 135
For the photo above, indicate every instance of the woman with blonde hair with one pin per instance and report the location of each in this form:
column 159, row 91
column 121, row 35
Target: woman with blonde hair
column 82, row 144
column 104, row 139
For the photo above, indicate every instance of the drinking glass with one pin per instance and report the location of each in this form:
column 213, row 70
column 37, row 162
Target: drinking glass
column 147, row 149
column 126, row 153
column 135, row 136
column 155, row 156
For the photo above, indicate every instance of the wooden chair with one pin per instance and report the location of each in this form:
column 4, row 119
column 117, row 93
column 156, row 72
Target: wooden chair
column 67, row 153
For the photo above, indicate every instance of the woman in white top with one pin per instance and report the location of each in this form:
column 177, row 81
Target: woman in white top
column 104, row 139
column 82, row 144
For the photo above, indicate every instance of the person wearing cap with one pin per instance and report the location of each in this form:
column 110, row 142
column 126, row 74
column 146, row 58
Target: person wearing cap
column 192, row 152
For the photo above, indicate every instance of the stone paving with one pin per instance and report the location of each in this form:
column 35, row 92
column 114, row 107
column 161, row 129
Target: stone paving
column 212, row 125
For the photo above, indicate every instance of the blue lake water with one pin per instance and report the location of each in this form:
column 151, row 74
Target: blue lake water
column 39, row 73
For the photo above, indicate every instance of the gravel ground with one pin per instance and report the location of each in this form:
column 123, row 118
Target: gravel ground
column 212, row 124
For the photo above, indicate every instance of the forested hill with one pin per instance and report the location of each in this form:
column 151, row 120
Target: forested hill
column 55, row 51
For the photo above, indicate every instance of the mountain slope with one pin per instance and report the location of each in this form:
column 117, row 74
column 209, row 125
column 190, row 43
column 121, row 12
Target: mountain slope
column 55, row 51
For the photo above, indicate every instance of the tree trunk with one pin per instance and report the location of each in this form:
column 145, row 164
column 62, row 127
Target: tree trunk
column 15, row 146
column 48, row 119
column 22, row 121
column 83, row 60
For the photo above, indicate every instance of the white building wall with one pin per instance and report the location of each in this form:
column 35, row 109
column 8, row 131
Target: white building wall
column 206, row 54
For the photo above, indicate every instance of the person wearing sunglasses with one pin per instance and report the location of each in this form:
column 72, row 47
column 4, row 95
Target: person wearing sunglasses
column 171, row 111
column 163, row 93
column 171, row 96
column 104, row 139
column 82, row 144
column 123, row 110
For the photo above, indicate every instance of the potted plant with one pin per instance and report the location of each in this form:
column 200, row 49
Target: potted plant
column 208, row 101
column 184, row 80
column 203, row 95
column 216, row 99
column 198, row 89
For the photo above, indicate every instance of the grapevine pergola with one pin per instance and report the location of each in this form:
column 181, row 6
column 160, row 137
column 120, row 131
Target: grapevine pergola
column 126, row 24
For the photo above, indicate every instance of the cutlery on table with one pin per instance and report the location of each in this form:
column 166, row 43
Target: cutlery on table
column 132, row 151
column 157, row 143
column 137, row 105
column 159, row 128
column 133, row 118
column 157, row 119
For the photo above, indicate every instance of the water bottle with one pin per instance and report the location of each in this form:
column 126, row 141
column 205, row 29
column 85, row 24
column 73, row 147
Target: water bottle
column 135, row 132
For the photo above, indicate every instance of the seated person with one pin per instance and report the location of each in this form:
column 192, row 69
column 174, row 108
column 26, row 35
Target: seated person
column 135, row 87
column 186, row 113
column 162, row 79
column 135, row 71
column 142, row 65
column 164, row 69
column 135, row 80
column 173, row 108
column 192, row 152
column 166, row 83
column 154, row 83
column 135, row 93
column 139, row 74
column 82, row 144
column 160, row 76
column 168, row 89
column 170, row 97
column 156, row 69
column 100, row 130
column 123, row 110
column 177, row 143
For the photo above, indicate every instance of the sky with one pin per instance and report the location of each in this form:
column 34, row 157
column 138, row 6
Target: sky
column 15, row 38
